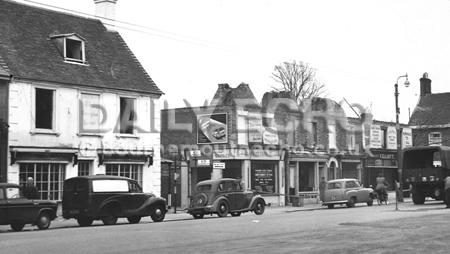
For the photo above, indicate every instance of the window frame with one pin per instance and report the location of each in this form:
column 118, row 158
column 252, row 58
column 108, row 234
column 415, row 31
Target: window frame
column 118, row 128
column 83, row 51
column 53, row 129
column 430, row 138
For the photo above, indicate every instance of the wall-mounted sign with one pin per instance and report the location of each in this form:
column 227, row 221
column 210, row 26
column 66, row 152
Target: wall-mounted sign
column 391, row 139
column 195, row 153
column 407, row 138
column 255, row 128
column 219, row 165
column 212, row 129
column 203, row 163
column 270, row 136
column 376, row 136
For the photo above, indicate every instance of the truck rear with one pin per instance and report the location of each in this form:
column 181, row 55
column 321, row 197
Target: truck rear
column 424, row 171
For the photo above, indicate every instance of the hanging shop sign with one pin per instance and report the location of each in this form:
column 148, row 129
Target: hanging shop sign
column 270, row 136
column 391, row 140
column 212, row 129
column 219, row 165
column 376, row 136
column 255, row 128
column 407, row 138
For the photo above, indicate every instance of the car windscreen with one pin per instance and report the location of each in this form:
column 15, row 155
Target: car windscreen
column 13, row 193
column 110, row 185
column 204, row 187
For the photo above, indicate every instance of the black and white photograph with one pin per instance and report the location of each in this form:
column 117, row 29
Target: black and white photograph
column 224, row 126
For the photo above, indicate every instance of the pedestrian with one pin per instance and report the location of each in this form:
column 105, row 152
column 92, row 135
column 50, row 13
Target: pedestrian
column 29, row 190
column 381, row 187
column 322, row 185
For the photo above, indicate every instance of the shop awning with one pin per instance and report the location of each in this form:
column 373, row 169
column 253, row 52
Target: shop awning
column 43, row 154
column 122, row 156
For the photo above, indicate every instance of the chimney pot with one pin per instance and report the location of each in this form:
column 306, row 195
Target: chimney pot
column 106, row 9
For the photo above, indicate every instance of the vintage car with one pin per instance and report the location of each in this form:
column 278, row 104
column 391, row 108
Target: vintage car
column 106, row 198
column 17, row 210
column 348, row 192
column 224, row 196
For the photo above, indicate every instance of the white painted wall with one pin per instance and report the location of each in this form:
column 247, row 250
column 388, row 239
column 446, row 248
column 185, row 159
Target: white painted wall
column 66, row 132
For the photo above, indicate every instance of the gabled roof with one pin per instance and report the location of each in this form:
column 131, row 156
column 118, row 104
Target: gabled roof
column 28, row 52
column 432, row 110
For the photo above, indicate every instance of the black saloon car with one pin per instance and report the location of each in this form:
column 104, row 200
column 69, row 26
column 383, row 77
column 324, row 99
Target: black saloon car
column 17, row 210
column 224, row 196
column 107, row 198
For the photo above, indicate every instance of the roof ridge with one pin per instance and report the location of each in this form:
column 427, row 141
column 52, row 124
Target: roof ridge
column 122, row 41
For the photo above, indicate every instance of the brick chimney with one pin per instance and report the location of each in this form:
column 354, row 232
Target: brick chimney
column 106, row 9
column 425, row 85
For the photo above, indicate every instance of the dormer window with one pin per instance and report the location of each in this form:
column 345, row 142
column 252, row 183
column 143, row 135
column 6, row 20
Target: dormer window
column 71, row 47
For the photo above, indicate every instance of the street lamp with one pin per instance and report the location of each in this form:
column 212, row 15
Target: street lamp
column 399, row 193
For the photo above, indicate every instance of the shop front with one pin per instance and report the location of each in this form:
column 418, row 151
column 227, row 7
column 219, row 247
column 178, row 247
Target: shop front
column 381, row 163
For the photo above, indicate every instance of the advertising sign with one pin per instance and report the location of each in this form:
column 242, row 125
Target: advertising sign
column 255, row 128
column 212, row 129
column 270, row 136
column 219, row 165
column 375, row 136
column 407, row 138
column 391, row 138
column 263, row 179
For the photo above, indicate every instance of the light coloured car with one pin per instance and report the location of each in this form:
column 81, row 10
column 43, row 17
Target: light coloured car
column 346, row 191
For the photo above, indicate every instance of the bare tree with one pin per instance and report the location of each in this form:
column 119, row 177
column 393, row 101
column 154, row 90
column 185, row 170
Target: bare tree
column 299, row 79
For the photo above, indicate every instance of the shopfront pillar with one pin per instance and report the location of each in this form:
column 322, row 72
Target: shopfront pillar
column 184, row 177
column 281, row 182
column 246, row 173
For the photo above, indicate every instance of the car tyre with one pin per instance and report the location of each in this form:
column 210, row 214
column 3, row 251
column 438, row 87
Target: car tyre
column 17, row 226
column 236, row 214
column 84, row 221
column 330, row 206
column 370, row 202
column 259, row 207
column 351, row 202
column 222, row 208
column 198, row 215
column 134, row 219
column 158, row 213
column 418, row 197
column 43, row 221
column 109, row 220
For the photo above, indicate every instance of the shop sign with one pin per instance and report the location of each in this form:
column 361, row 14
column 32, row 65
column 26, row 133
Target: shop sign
column 263, row 180
column 212, row 129
column 270, row 136
column 391, row 138
column 203, row 163
column 219, row 165
column 195, row 153
column 265, row 154
column 406, row 138
column 255, row 128
column 376, row 136
column 239, row 154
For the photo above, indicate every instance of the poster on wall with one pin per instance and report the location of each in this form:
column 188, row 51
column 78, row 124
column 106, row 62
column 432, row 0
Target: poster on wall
column 391, row 138
column 255, row 128
column 407, row 138
column 375, row 136
column 212, row 129
column 263, row 180
column 270, row 136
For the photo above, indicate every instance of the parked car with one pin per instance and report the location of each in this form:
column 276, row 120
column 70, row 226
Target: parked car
column 107, row 198
column 348, row 192
column 17, row 210
column 224, row 196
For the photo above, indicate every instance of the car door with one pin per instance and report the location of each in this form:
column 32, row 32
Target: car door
column 334, row 192
column 238, row 198
column 3, row 207
column 20, row 208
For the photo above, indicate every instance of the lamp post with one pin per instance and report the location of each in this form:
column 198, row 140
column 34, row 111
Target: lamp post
column 399, row 192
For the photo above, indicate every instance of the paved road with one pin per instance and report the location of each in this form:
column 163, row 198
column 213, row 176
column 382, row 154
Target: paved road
column 310, row 229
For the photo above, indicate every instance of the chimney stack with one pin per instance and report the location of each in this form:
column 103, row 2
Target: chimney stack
column 106, row 9
column 425, row 85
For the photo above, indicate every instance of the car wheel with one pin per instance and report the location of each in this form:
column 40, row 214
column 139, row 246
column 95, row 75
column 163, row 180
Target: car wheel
column 418, row 197
column 222, row 208
column 351, row 202
column 259, row 207
column 17, row 226
column 43, row 221
column 370, row 202
column 198, row 215
column 236, row 214
column 447, row 198
column 158, row 213
column 109, row 220
column 84, row 221
column 134, row 219
column 331, row 206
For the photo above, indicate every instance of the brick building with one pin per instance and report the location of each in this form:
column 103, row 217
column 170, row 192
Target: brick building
column 430, row 120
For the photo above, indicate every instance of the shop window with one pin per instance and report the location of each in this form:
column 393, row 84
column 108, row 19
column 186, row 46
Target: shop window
column 133, row 171
column 127, row 115
column 434, row 139
column 48, row 178
column 44, row 108
column 84, row 168
column 263, row 177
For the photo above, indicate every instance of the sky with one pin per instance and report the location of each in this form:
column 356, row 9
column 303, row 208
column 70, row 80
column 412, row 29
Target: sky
column 358, row 48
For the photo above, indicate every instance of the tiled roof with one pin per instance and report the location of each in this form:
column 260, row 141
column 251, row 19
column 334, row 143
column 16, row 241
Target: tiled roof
column 28, row 52
column 432, row 109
